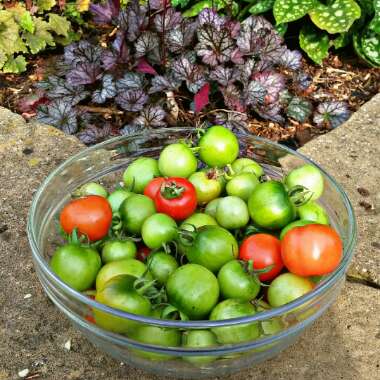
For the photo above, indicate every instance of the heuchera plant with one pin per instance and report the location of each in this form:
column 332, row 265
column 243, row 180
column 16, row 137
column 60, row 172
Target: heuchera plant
column 162, row 69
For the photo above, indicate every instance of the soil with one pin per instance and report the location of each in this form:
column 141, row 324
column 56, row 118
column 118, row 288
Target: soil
column 340, row 78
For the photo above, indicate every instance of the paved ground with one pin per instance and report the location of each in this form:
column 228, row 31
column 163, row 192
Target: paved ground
column 344, row 344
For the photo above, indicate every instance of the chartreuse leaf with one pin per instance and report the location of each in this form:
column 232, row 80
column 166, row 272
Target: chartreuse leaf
column 82, row 5
column 8, row 32
column 60, row 25
column 40, row 38
column 314, row 42
column 375, row 23
column 370, row 43
column 337, row 17
column 198, row 7
column 26, row 22
column 45, row 5
column 261, row 6
column 290, row 10
column 3, row 58
column 15, row 65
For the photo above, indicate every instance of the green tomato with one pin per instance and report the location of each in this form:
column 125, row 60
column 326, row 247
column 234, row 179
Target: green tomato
column 199, row 339
column 271, row 326
column 91, row 188
column 139, row 173
column 158, row 229
column 270, row 206
column 114, row 250
column 119, row 293
column 246, row 165
column 161, row 265
column 286, row 288
column 116, row 198
column 157, row 336
column 134, row 211
column 177, row 160
column 296, row 223
column 131, row 267
column 229, row 309
column 232, row 212
column 242, row 185
column 194, row 290
column 206, row 187
column 76, row 266
column 236, row 282
column 212, row 206
column 307, row 176
column 218, row 147
column 213, row 246
column 314, row 212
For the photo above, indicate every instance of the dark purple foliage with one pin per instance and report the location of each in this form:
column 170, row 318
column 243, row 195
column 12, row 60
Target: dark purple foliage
column 132, row 100
column 105, row 13
column 331, row 114
column 92, row 134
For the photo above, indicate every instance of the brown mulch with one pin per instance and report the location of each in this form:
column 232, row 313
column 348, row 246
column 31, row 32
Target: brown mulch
column 339, row 79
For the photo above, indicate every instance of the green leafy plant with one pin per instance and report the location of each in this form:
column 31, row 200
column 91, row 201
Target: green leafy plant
column 29, row 31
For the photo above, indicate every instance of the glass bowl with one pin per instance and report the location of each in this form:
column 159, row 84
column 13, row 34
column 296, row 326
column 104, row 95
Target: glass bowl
column 105, row 163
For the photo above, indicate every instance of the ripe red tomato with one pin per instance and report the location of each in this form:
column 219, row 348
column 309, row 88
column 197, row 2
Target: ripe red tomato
column 177, row 198
column 153, row 187
column 91, row 215
column 311, row 250
column 264, row 250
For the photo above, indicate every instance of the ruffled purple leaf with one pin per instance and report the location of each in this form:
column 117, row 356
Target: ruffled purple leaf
column 167, row 20
column 302, row 80
column 183, row 69
column 331, row 114
column 270, row 112
column 105, row 13
column 92, row 134
column 215, row 46
column 156, row 4
column 291, row 59
column 299, row 109
column 84, row 73
column 210, row 17
column 223, row 75
column 133, row 20
column 83, row 52
column 151, row 116
column 273, row 83
column 164, row 83
column 255, row 93
column 130, row 81
column 237, row 57
column 235, row 121
column 107, row 90
column 147, row 43
column 144, row 67
column 233, row 98
column 132, row 100
column 181, row 37
column 60, row 114
column 234, row 27
column 131, row 129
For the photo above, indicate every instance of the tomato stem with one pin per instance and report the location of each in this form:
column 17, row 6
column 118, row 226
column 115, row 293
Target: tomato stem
column 171, row 190
column 299, row 195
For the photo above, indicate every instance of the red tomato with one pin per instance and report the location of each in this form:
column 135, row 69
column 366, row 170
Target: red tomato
column 176, row 198
column 264, row 250
column 90, row 319
column 153, row 187
column 91, row 215
column 311, row 250
column 142, row 253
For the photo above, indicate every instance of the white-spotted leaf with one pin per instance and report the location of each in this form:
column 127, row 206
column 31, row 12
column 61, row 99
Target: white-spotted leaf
column 314, row 42
column 290, row 10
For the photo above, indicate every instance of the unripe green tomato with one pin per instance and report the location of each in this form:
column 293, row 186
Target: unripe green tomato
column 242, row 185
column 161, row 265
column 76, row 266
column 199, row 339
column 91, row 188
column 206, row 188
column 117, row 197
column 314, row 212
column 139, row 173
column 232, row 212
column 307, row 176
column 115, row 250
column 177, row 160
column 246, row 165
column 212, row 206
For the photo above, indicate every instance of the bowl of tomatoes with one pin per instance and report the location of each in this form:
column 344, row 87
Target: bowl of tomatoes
column 191, row 253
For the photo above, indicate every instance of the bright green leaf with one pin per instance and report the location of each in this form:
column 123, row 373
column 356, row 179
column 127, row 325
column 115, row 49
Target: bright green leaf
column 60, row 25
column 370, row 43
column 198, row 7
column 375, row 23
column 290, row 10
column 358, row 49
column 261, row 6
column 181, row 3
column 8, row 32
column 45, row 5
column 314, row 42
column 26, row 22
column 19, row 46
column 38, row 40
column 3, row 58
column 337, row 17
column 15, row 65
column 342, row 40
column 281, row 29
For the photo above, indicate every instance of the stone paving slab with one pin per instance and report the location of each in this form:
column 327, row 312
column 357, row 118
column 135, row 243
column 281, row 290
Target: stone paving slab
column 351, row 153
column 343, row 344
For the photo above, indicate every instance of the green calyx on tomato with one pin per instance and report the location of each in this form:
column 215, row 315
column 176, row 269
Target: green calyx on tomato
column 235, row 281
column 314, row 212
column 209, row 246
column 139, row 173
column 177, row 160
column 194, row 290
column 76, row 265
column 233, row 308
column 208, row 185
column 119, row 292
column 270, row 206
column 115, row 250
column 218, row 147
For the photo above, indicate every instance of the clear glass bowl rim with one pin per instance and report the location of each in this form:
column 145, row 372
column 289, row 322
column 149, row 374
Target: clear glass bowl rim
column 327, row 283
